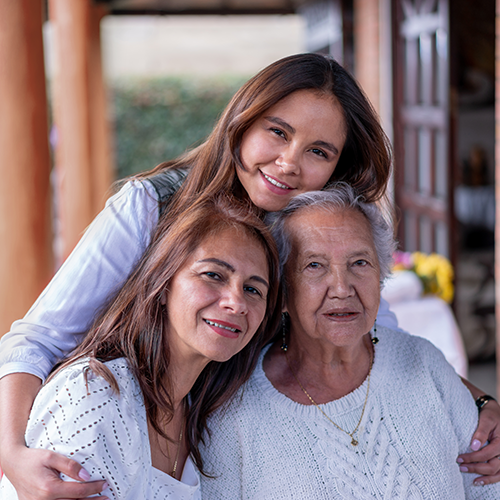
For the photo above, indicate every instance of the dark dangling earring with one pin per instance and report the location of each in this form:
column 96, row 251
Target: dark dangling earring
column 375, row 338
column 284, row 346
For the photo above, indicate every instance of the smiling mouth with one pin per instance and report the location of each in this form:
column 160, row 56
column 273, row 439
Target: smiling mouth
column 341, row 315
column 274, row 182
column 224, row 327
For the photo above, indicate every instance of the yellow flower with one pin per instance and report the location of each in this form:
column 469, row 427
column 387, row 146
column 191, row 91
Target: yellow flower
column 435, row 272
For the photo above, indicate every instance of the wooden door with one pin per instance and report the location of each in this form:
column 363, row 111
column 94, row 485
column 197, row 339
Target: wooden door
column 422, row 138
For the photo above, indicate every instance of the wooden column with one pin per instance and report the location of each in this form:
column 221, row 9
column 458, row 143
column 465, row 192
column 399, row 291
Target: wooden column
column 26, row 262
column 497, row 190
column 367, row 48
column 82, row 153
column 102, row 171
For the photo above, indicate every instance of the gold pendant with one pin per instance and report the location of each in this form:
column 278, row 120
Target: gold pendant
column 354, row 442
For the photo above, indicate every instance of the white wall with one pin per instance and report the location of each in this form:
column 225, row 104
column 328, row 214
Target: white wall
column 144, row 46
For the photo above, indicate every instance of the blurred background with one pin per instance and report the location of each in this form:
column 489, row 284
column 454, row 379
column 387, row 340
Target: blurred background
column 94, row 91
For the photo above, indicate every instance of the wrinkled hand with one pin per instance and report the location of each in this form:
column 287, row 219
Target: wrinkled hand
column 485, row 461
column 35, row 475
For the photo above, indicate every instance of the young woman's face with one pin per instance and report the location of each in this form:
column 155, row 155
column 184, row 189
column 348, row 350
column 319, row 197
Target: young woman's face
column 292, row 148
column 218, row 299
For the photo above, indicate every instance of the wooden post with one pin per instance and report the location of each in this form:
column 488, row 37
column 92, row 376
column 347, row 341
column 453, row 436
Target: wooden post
column 367, row 48
column 83, row 152
column 26, row 260
column 102, row 171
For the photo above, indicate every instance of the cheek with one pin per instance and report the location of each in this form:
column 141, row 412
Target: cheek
column 318, row 178
column 258, row 314
column 371, row 294
column 304, row 296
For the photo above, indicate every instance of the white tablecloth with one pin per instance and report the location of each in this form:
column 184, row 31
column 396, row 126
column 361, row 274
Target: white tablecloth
column 428, row 317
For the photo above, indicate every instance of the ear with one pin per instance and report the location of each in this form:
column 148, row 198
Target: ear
column 163, row 298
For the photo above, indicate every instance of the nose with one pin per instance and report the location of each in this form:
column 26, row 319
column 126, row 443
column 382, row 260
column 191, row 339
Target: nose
column 288, row 160
column 339, row 284
column 233, row 300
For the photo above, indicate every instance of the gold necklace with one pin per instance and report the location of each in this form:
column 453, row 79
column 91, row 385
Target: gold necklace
column 354, row 441
column 174, row 470
column 179, row 443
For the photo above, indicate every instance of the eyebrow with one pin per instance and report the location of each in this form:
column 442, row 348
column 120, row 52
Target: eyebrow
column 229, row 267
column 327, row 145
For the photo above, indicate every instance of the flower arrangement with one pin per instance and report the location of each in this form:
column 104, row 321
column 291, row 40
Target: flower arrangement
column 434, row 270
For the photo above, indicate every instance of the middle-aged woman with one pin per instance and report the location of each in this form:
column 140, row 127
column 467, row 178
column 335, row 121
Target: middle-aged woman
column 340, row 407
column 180, row 337
column 298, row 125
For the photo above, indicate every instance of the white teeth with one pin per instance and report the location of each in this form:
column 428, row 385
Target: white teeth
column 276, row 183
column 218, row 325
column 340, row 314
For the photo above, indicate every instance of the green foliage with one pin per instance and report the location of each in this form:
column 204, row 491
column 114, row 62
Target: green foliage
column 157, row 120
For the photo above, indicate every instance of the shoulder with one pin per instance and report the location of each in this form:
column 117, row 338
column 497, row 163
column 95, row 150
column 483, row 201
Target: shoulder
column 79, row 415
column 401, row 345
column 167, row 183
column 77, row 394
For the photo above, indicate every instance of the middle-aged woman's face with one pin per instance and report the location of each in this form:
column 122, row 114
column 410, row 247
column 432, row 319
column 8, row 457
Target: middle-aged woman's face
column 292, row 148
column 218, row 299
column 333, row 276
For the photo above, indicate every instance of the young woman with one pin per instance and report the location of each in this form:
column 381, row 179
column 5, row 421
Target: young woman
column 183, row 333
column 298, row 125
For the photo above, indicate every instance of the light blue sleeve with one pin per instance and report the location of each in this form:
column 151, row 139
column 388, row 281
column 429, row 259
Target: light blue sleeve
column 100, row 263
column 385, row 316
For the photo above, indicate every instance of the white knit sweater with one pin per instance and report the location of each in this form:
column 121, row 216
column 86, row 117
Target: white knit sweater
column 419, row 418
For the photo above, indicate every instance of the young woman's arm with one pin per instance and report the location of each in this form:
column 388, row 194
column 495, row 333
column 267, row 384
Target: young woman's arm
column 34, row 471
column 99, row 264
column 485, row 461
column 54, row 326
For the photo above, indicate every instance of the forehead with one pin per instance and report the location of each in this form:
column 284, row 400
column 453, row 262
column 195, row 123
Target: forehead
column 309, row 103
column 233, row 244
column 330, row 231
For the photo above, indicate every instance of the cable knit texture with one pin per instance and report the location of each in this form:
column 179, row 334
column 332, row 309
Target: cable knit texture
column 419, row 418
column 106, row 433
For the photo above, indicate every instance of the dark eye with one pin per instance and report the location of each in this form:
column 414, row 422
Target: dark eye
column 314, row 265
column 252, row 290
column 361, row 263
column 319, row 152
column 278, row 132
column 213, row 275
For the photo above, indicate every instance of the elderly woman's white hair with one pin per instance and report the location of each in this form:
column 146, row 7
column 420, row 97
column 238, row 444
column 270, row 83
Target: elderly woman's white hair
column 339, row 196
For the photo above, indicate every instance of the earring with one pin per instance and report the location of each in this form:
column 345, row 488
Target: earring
column 284, row 346
column 375, row 338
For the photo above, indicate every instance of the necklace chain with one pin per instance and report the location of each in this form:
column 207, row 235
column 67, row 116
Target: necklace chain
column 174, row 470
column 179, row 444
column 354, row 441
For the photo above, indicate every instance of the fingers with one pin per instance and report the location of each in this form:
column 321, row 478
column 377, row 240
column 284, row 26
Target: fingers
column 67, row 466
column 490, row 468
column 488, row 426
column 490, row 452
column 38, row 478
column 68, row 490
column 484, row 480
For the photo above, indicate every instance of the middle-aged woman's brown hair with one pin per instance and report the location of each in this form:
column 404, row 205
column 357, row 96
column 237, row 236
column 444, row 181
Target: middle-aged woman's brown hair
column 365, row 162
column 133, row 326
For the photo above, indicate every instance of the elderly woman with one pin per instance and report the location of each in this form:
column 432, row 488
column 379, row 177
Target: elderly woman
column 338, row 407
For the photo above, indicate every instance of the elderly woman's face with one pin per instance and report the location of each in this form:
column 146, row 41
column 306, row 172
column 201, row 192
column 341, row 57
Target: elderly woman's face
column 333, row 276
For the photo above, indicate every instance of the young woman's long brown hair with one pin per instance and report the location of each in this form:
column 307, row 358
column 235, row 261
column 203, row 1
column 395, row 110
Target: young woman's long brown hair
column 365, row 162
column 133, row 325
